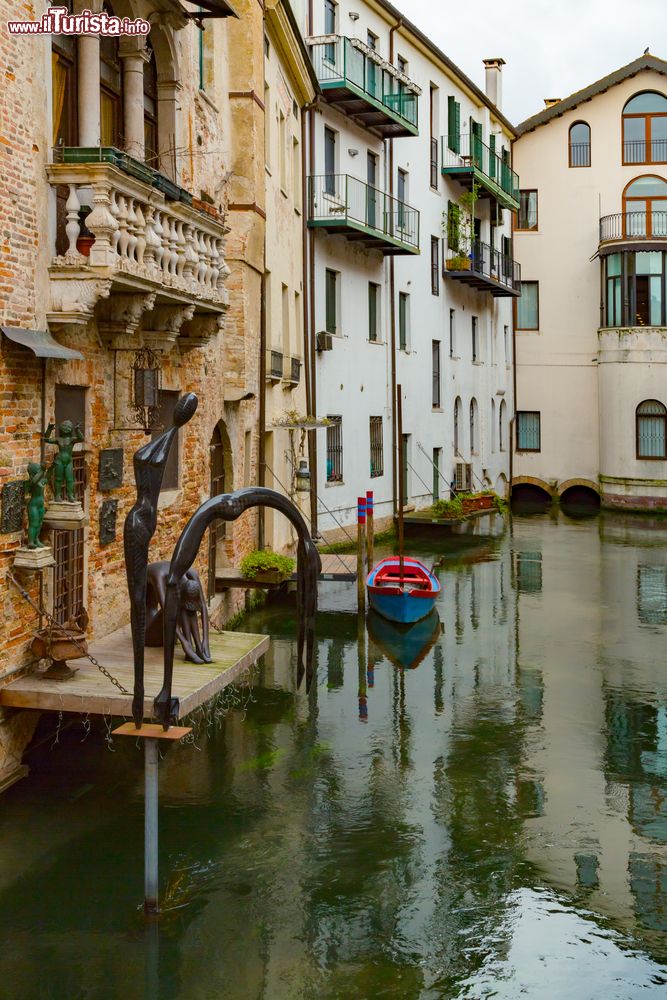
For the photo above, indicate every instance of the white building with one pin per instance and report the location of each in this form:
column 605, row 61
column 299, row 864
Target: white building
column 590, row 332
column 392, row 301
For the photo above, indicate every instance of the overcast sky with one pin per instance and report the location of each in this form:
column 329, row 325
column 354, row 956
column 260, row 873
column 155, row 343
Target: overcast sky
column 551, row 47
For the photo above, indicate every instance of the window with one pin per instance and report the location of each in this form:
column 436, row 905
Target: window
column 403, row 320
column 435, row 265
column 373, row 310
column 402, row 65
column 633, row 286
column 372, row 71
column 528, row 431
column 493, row 426
column 377, row 457
column 645, row 129
column 528, row 307
column 112, row 128
column 285, row 304
column 580, row 145
column 267, row 125
column 453, row 125
column 282, row 151
column 457, row 424
column 331, row 301
column 475, row 339
column 168, row 400
column 434, row 119
column 436, row 463
column 335, row 449
column 64, row 109
column 453, row 226
column 473, row 427
column 651, row 419
column 401, row 195
column 435, row 352
column 527, row 210
column 296, row 174
column 506, row 344
column 330, row 29
column 452, row 332
column 502, row 417
column 330, row 161
column 645, row 207
column 150, row 107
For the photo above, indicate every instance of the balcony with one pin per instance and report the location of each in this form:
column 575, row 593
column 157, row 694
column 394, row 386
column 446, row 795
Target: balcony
column 484, row 268
column 475, row 162
column 356, row 80
column 635, row 230
column 149, row 269
column 344, row 205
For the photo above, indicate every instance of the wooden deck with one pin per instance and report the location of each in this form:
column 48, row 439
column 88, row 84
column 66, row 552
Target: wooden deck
column 427, row 517
column 90, row 692
column 334, row 567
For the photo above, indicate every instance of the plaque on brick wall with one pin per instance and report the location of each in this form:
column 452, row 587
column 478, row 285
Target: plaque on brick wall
column 108, row 514
column 111, row 468
column 13, row 503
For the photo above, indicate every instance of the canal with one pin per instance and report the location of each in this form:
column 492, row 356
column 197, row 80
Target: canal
column 489, row 821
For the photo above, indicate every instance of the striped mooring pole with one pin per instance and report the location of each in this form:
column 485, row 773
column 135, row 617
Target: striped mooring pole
column 361, row 554
column 370, row 530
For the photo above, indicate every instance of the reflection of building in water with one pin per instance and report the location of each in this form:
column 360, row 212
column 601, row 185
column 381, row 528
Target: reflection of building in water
column 590, row 638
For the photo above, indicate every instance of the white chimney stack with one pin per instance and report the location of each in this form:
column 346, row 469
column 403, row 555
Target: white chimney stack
column 494, row 81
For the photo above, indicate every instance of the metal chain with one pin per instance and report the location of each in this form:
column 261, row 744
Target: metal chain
column 60, row 628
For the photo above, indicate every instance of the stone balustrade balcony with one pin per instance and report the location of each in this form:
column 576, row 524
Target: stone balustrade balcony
column 149, row 269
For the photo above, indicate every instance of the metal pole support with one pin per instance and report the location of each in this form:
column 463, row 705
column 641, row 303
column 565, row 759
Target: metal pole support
column 370, row 533
column 151, row 827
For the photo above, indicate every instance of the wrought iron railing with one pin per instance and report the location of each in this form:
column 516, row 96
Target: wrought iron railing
column 483, row 260
column 468, row 150
column 339, row 198
column 633, row 226
column 275, row 367
column 580, row 154
column 295, row 369
column 347, row 60
column 640, row 151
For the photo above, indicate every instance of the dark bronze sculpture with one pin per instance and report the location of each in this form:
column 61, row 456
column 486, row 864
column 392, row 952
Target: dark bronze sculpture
column 191, row 604
column 140, row 525
column 228, row 507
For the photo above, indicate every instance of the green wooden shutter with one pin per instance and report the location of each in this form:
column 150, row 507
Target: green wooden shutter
column 492, row 157
column 330, row 296
column 402, row 321
column 453, row 221
column 372, row 311
column 453, row 125
column 476, row 142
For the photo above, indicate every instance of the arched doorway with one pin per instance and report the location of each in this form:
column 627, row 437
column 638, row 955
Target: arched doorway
column 221, row 482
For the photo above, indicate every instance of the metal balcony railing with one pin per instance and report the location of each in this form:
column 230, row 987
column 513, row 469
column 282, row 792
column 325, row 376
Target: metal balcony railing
column 467, row 153
column 580, row 154
column 341, row 62
column 633, row 226
column 641, row 151
column 338, row 200
column 478, row 260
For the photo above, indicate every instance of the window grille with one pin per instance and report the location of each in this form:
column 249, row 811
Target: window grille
column 435, row 346
column 651, row 420
column 435, row 265
column 68, row 551
column 528, row 436
column 377, row 455
column 335, row 449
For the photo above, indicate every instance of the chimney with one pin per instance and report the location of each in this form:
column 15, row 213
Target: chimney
column 550, row 101
column 494, row 81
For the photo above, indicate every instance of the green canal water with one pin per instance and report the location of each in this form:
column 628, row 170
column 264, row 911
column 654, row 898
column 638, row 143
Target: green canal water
column 491, row 822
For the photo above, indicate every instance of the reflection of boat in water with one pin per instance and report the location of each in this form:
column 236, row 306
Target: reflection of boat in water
column 402, row 589
column 404, row 645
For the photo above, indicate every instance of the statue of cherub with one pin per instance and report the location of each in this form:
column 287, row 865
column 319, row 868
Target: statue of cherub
column 63, row 470
column 37, row 477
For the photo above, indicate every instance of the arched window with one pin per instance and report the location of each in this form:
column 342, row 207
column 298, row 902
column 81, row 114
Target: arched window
column 473, row 426
column 580, row 145
column 501, row 425
column 645, row 207
column 64, row 75
column 457, row 424
column 651, row 421
column 645, row 128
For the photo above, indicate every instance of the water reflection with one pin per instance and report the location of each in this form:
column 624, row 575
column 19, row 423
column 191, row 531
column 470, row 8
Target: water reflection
column 477, row 809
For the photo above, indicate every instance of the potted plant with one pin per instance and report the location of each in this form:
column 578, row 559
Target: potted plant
column 265, row 566
column 85, row 239
column 458, row 226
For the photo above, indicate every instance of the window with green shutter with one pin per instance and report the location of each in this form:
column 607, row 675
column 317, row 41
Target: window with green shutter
column 453, row 125
column 330, row 299
column 453, row 226
column 373, row 295
column 528, row 436
column 492, row 157
column 476, row 135
column 403, row 321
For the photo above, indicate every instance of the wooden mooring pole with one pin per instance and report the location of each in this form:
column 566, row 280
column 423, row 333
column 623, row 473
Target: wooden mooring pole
column 370, row 529
column 361, row 554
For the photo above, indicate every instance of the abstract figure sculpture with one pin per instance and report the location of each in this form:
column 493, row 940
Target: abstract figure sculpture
column 191, row 604
column 229, row 507
column 35, row 483
column 63, row 470
column 140, row 525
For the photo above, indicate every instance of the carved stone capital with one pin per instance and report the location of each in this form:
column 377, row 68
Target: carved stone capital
column 119, row 318
column 73, row 300
column 165, row 325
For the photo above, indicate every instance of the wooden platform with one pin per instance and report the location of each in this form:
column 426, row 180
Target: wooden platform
column 90, row 692
column 428, row 518
column 334, row 567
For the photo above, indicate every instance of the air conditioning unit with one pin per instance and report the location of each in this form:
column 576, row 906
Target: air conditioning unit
column 324, row 341
column 463, row 477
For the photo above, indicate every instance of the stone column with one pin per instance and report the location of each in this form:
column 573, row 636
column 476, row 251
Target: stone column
column 89, row 80
column 168, row 92
column 134, row 55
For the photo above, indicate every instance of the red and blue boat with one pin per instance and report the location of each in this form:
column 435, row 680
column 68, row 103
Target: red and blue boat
column 402, row 589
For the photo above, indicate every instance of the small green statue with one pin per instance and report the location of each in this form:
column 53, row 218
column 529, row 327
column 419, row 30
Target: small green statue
column 37, row 477
column 65, row 440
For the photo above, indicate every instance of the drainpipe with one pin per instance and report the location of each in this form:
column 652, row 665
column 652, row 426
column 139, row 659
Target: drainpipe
column 514, row 402
column 312, row 435
column 261, row 449
column 308, row 337
column 392, row 311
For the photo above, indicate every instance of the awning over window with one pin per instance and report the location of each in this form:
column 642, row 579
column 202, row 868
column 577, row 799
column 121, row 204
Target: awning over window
column 211, row 8
column 41, row 343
